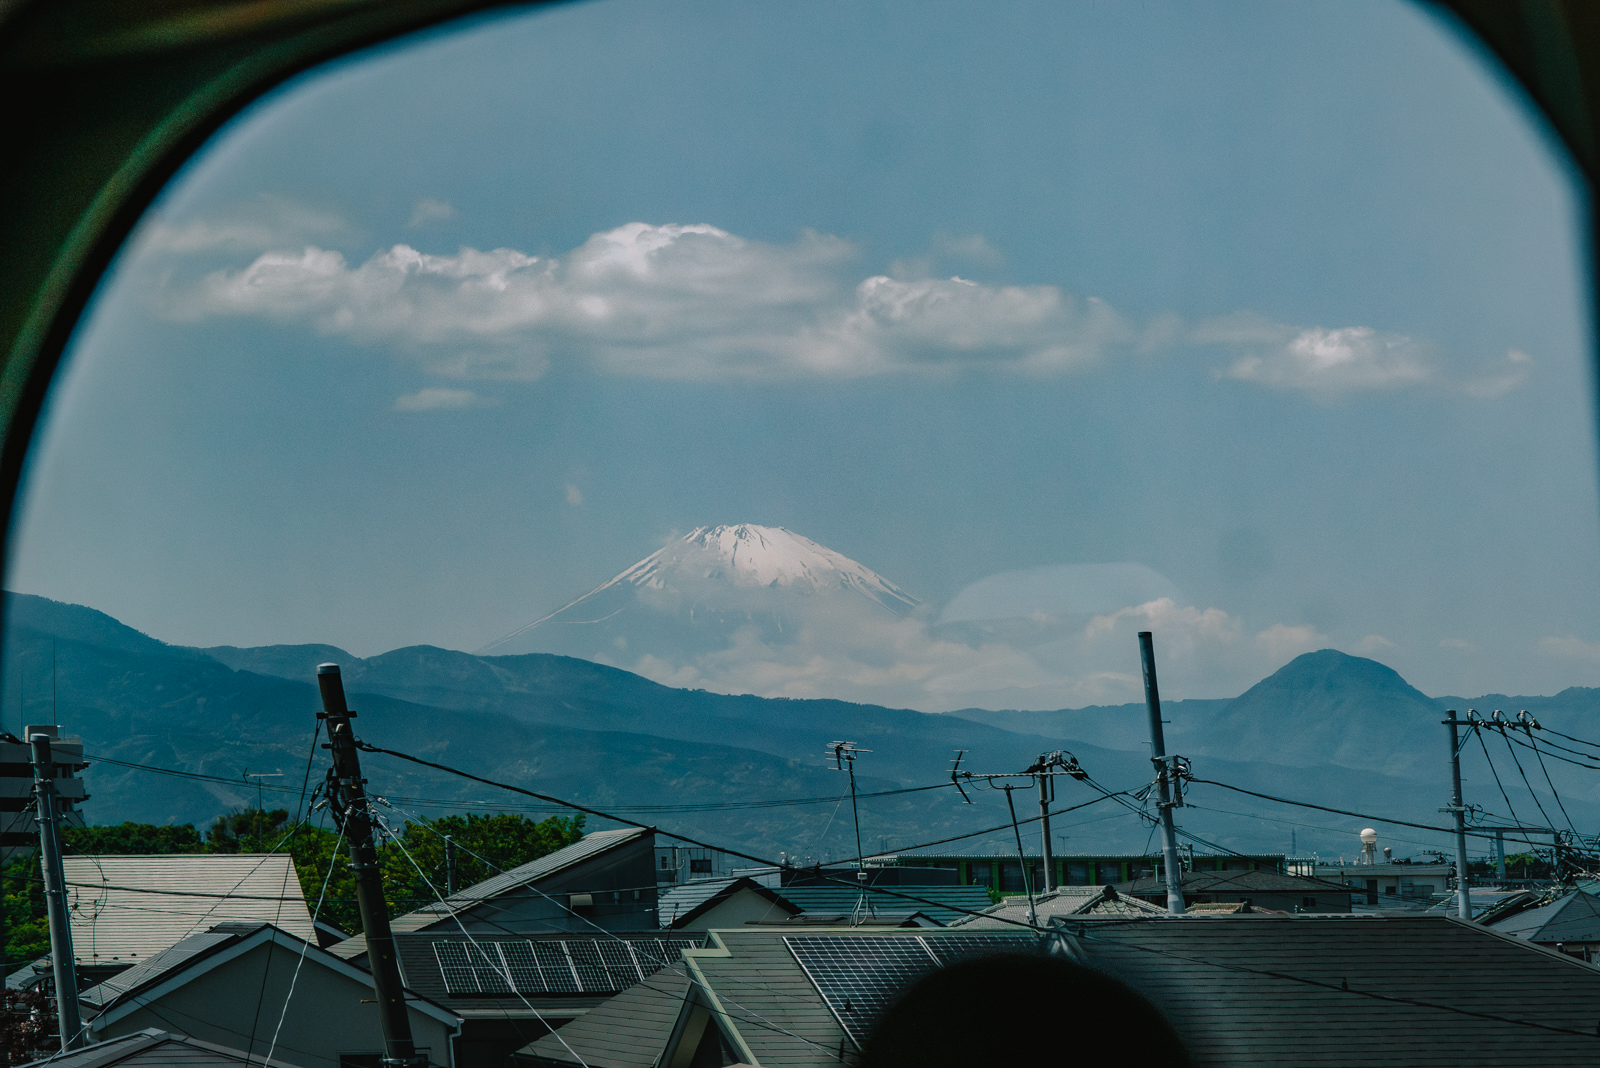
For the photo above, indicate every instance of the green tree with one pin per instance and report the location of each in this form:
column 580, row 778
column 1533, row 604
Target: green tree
column 485, row 845
column 248, row 830
column 132, row 839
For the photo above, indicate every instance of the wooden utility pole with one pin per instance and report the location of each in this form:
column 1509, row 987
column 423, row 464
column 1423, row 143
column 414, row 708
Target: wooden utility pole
column 55, row 895
column 348, row 800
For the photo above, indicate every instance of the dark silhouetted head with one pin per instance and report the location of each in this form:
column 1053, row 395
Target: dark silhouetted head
column 1021, row 1009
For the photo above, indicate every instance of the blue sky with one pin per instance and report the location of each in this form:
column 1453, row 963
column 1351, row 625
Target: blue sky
column 1281, row 303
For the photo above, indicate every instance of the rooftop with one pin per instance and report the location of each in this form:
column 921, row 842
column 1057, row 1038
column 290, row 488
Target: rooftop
column 126, row 909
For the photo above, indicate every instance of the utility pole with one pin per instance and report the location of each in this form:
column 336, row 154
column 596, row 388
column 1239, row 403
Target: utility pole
column 55, row 895
column 449, row 866
column 1459, row 812
column 1165, row 767
column 1047, row 794
column 347, row 797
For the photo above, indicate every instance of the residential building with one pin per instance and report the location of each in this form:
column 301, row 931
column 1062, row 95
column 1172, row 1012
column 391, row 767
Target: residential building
column 1390, row 879
column 731, row 902
column 255, row 988
column 155, row 1048
column 1004, row 875
column 1075, row 901
column 125, row 910
column 536, row 946
column 1269, row 890
column 1566, row 922
column 1317, row 991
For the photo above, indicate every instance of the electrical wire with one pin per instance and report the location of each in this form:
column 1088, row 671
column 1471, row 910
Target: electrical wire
column 304, row 948
column 1548, row 822
column 1495, row 772
column 1347, row 812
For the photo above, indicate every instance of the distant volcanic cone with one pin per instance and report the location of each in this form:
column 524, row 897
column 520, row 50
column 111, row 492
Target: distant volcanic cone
column 704, row 591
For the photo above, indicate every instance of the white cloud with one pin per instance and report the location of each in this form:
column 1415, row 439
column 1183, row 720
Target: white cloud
column 264, row 223
column 574, row 496
column 696, row 302
column 428, row 210
column 438, row 399
column 1327, row 363
column 1571, row 648
column 908, row 663
column 690, row 302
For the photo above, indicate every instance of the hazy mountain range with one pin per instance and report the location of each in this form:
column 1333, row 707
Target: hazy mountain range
column 1330, row 728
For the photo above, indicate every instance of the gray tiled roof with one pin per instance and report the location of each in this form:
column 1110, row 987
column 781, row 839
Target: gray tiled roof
column 146, row 971
column 675, row 901
column 1314, row 991
column 1067, row 901
column 153, row 1048
column 125, row 909
column 629, row 1031
column 942, row 904
column 1342, row 990
column 1573, row 917
column 590, row 845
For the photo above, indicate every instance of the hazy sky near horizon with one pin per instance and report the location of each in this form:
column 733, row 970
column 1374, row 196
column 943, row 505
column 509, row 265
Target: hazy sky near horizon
column 1282, row 304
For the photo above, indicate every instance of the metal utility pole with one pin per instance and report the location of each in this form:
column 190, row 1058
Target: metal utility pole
column 449, row 866
column 55, row 895
column 1459, row 812
column 1165, row 767
column 347, row 798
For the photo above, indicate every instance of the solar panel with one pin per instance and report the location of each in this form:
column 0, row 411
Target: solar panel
column 859, row 977
column 954, row 948
column 471, row 969
column 590, row 968
column 618, row 962
column 522, row 966
column 458, row 975
column 559, row 978
column 553, row 966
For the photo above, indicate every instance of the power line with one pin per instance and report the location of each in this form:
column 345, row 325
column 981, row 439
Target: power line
column 1347, row 812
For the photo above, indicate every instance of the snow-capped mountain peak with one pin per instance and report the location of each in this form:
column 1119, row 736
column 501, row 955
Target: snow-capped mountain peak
column 727, row 573
column 749, row 555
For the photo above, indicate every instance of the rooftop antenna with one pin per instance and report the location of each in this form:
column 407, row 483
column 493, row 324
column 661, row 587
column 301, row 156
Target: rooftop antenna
column 261, row 813
column 844, row 759
column 1040, row 774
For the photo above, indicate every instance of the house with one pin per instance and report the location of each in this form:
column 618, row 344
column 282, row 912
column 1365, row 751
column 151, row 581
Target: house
column 155, row 1048
column 1271, row 890
column 509, row 989
column 511, row 937
column 629, row 1031
column 604, row 881
column 1383, row 882
column 1318, row 991
column 256, row 988
column 1003, row 875
column 722, row 903
column 1568, row 923
column 125, row 910
column 749, row 997
column 1067, row 901
column 731, row 902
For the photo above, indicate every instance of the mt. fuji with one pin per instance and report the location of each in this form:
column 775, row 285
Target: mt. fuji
column 714, row 589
